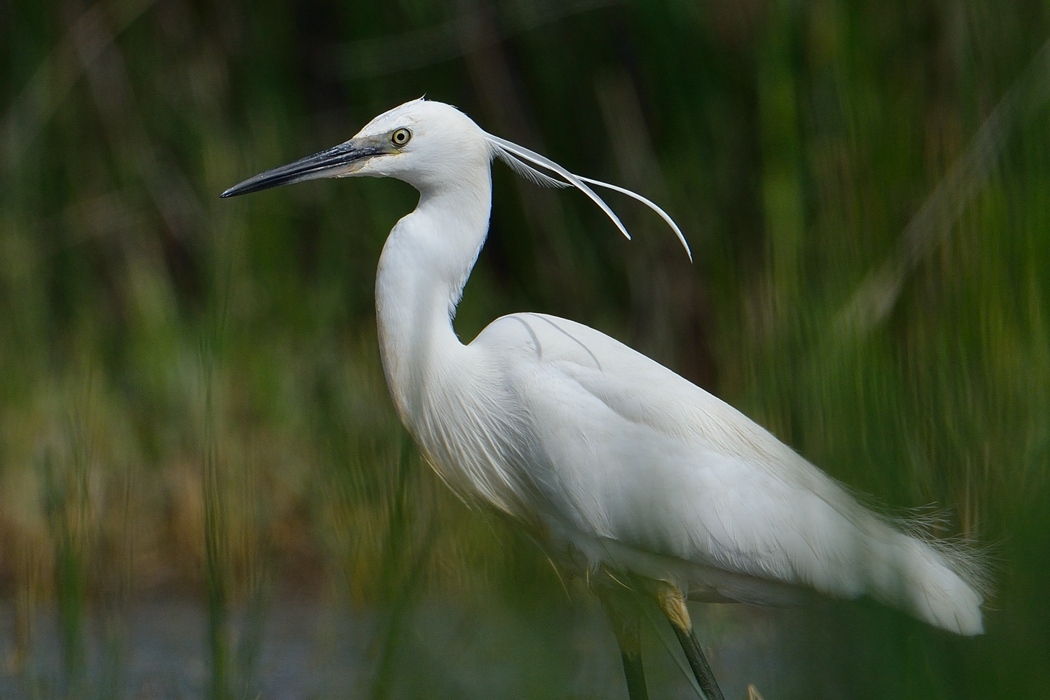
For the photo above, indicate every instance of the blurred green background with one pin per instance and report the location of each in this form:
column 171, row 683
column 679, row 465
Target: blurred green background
column 192, row 407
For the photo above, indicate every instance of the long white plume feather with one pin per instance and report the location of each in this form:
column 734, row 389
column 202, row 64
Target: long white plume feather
column 649, row 203
column 528, row 172
column 514, row 155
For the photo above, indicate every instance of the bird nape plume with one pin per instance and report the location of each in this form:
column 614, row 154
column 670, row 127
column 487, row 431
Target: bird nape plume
column 515, row 156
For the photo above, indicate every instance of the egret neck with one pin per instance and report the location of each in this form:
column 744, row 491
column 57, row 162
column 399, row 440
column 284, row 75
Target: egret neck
column 424, row 265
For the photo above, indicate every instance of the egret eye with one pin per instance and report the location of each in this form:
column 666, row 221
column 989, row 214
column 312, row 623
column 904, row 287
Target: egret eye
column 400, row 137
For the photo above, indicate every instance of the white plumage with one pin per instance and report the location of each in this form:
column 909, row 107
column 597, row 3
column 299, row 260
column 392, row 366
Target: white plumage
column 607, row 458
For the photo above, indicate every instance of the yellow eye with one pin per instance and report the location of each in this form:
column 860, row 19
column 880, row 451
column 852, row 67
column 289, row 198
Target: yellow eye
column 400, row 137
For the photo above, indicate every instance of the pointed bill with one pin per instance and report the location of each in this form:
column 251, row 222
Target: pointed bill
column 338, row 161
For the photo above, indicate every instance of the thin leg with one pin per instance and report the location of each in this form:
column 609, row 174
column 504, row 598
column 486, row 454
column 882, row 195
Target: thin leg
column 623, row 616
column 672, row 602
column 635, row 673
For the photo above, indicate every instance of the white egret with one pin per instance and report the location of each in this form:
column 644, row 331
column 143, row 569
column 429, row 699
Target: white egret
column 622, row 470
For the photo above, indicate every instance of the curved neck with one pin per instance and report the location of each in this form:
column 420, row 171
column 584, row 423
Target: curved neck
column 424, row 265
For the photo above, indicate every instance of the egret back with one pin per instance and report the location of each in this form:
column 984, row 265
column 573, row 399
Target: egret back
column 622, row 450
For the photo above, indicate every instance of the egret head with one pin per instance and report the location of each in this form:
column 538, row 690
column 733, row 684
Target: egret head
column 419, row 142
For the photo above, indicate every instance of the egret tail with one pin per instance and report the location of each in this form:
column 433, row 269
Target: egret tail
column 937, row 584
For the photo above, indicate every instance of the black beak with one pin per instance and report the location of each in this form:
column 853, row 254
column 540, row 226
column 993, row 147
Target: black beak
column 333, row 162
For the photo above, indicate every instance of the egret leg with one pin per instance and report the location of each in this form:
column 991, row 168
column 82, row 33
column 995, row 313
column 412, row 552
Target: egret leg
column 635, row 673
column 623, row 616
column 672, row 602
